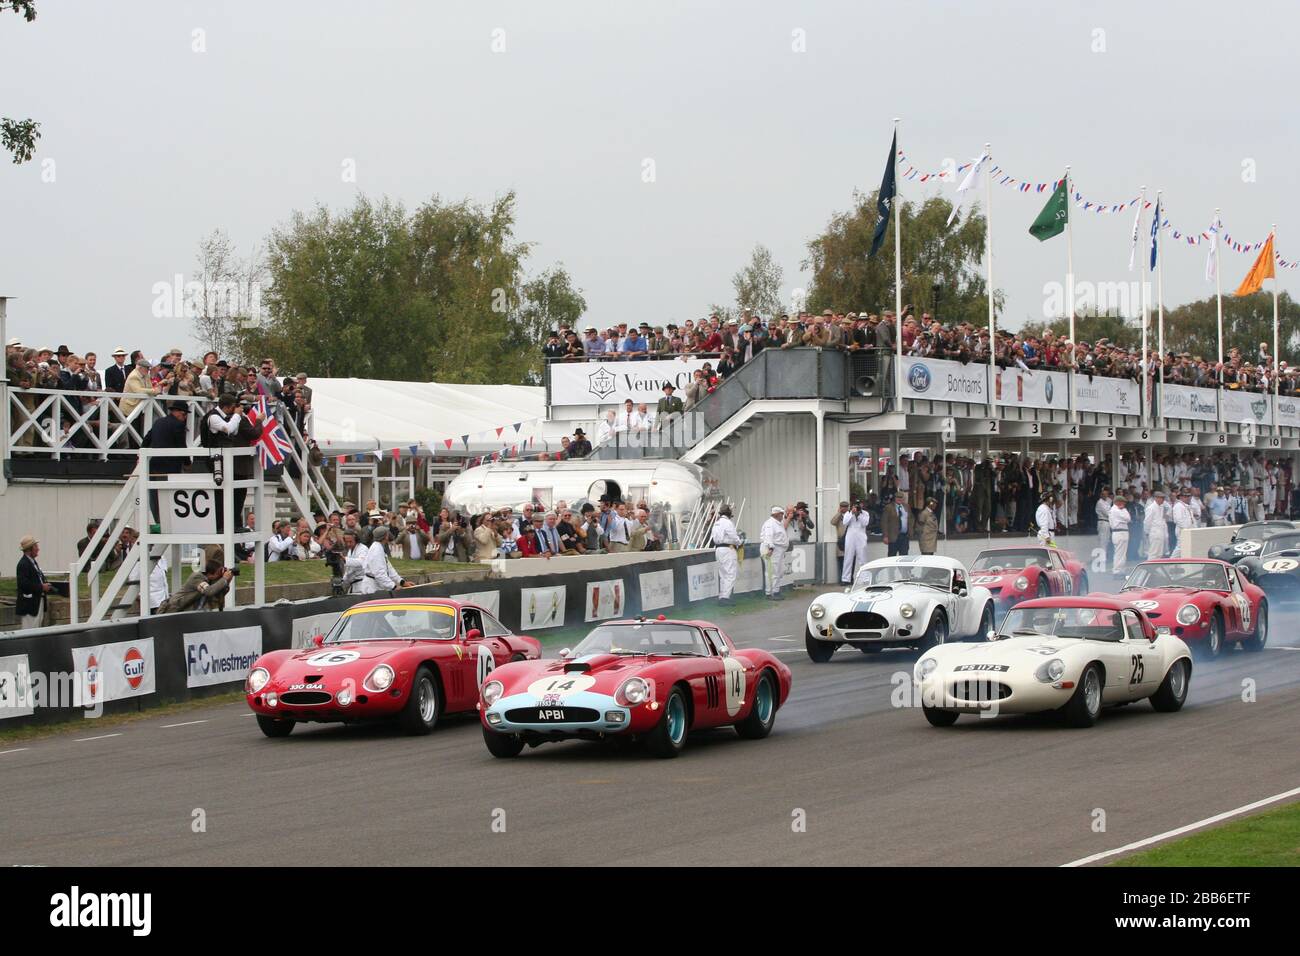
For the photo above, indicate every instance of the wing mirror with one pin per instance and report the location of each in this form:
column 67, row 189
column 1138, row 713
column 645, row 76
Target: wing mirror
column 474, row 634
column 318, row 640
column 962, row 593
column 565, row 652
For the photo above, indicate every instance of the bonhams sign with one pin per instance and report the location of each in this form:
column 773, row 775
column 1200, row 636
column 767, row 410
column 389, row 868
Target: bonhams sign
column 611, row 383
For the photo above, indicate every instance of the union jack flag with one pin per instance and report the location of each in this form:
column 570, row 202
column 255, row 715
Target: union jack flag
column 274, row 444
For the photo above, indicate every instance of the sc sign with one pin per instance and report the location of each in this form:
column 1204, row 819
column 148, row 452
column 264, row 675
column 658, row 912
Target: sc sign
column 188, row 510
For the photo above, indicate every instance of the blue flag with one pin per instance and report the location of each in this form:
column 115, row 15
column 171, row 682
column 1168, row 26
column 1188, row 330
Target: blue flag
column 1155, row 231
column 885, row 199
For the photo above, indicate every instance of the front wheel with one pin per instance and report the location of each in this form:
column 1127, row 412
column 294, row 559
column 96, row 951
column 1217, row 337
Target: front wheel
column 1172, row 692
column 1212, row 646
column 1257, row 640
column 762, row 715
column 1084, row 706
column 274, row 727
column 1083, row 585
column 668, row 738
column 936, row 633
column 986, row 622
column 938, row 717
column 504, row 746
column 820, row 651
column 420, row 715
column 1043, row 590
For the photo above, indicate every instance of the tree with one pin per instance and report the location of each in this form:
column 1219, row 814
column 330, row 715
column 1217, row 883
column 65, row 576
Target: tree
column 935, row 257
column 438, row 294
column 758, row 285
column 225, row 295
column 19, row 137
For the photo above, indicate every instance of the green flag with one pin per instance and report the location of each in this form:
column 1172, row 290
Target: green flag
column 1051, row 221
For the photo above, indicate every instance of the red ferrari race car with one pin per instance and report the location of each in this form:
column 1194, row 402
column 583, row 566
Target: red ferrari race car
column 1019, row 572
column 404, row 659
column 1206, row 603
column 654, row 680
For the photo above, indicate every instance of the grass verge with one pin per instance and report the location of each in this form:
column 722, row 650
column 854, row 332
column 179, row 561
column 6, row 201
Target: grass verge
column 1271, row 838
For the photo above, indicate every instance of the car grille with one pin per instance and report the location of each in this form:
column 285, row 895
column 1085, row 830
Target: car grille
column 305, row 698
column 980, row 690
column 861, row 621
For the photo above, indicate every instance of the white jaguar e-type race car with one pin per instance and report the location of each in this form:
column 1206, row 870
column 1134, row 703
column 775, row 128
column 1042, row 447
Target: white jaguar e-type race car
column 1072, row 655
column 914, row 600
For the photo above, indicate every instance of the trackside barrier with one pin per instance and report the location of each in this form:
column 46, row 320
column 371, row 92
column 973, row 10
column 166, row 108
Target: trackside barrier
column 129, row 666
column 1196, row 542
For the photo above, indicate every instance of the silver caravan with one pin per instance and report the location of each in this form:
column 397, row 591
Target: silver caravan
column 674, row 490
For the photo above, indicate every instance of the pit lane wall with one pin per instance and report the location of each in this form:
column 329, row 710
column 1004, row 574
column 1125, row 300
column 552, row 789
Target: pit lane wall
column 73, row 673
column 1197, row 542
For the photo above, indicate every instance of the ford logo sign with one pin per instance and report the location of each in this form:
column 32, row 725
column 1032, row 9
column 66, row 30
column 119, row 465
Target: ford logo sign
column 918, row 377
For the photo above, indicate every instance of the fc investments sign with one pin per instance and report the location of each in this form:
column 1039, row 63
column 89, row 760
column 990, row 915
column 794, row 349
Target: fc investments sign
column 609, row 383
column 221, row 657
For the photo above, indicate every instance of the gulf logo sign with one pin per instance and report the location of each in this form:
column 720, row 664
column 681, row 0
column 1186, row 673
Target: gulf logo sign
column 133, row 667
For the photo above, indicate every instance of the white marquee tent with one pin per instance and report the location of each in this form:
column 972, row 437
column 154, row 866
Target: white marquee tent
column 353, row 415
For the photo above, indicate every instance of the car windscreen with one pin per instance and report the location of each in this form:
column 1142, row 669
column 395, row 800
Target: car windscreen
column 1083, row 623
column 1281, row 542
column 648, row 638
column 904, row 573
column 1019, row 558
column 1192, row 574
column 387, row 622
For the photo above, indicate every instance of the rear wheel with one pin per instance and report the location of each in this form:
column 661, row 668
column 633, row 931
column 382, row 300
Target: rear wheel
column 273, row 727
column 820, row 651
column 940, row 718
column 420, row 715
column 669, row 735
column 502, row 745
column 763, row 714
column 1257, row 640
column 1084, row 706
column 936, row 633
column 1212, row 646
column 1172, row 692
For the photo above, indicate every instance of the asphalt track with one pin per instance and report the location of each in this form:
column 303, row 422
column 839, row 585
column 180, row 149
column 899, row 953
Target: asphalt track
column 874, row 784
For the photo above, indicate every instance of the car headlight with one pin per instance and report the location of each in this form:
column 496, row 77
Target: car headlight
column 379, row 679
column 817, row 611
column 492, row 692
column 1189, row 614
column 1022, row 583
column 1051, row 671
column 925, row 667
column 258, row 678
column 906, row 610
column 633, row 691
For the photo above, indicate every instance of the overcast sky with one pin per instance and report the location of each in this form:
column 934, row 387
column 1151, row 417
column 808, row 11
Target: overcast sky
column 154, row 145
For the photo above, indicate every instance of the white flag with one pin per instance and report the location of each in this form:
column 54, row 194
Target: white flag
column 970, row 182
column 1212, row 259
column 1137, row 223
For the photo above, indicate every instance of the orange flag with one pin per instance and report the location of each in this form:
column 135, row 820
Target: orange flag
column 1261, row 270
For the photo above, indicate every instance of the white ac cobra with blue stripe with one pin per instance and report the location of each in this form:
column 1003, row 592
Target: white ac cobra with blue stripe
column 908, row 601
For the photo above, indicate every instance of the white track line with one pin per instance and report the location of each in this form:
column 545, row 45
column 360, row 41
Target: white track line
column 188, row 723
column 82, row 740
column 17, row 750
column 1187, row 829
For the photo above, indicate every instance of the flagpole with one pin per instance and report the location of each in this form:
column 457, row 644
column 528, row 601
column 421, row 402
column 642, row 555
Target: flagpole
column 1146, row 388
column 1273, row 266
column 1160, row 292
column 1069, row 278
column 1218, row 302
column 988, row 255
column 898, row 273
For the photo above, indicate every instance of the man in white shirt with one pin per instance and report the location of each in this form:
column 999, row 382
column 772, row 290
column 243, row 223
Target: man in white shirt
column 856, row 522
column 1103, row 524
column 773, row 544
column 280, row 547
column 725, row 541
column 1181, row 515
column 1045, row 518
column 355, row 555
column 378, row 568
column 1119, row 518
column 608, row 426
column 619, row 531
column 158, row 589
column 1154, row 529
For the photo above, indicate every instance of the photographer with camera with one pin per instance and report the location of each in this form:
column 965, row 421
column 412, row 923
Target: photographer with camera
column 204, row 588
column 453, row 539
column 226, row 426
column 855, row 522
